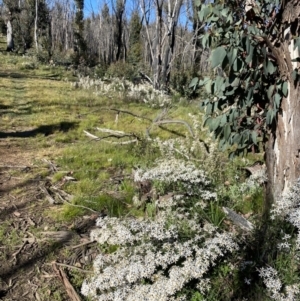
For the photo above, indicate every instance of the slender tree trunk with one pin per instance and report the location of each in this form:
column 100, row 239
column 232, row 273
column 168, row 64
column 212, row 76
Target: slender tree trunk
column 9, row 36
column 36, row 26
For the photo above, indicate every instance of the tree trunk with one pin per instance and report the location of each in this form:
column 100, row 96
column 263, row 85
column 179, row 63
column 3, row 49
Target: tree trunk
column 283, row 151
column 36, row 26
column 9, row 36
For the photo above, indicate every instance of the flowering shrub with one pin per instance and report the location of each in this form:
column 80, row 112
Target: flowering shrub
column 155, row 259
column 274, row 286
column 143, row 92
column 178, row 176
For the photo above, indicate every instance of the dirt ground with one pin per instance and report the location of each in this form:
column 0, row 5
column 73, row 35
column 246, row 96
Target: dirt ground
column 38, row 254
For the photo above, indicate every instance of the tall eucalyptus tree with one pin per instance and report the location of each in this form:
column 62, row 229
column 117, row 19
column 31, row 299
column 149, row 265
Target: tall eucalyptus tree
column 257, row 101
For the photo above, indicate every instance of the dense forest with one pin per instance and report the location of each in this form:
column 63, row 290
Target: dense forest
column 154, row 40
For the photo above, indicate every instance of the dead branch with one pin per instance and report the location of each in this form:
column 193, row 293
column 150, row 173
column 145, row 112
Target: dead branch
column 19, row 250
column 177, row 121
column 84, row 244
column 64, row 279
column 47, row 194
column 78, row 206
column 121, row 143
column 126, row 112
column 112, row 132
column 16, row 166
column 159, row 122
column 112, row 142
column 52, row 166
column 91, row 135
column 145, row 76
column 70, row 267
column 238, row 219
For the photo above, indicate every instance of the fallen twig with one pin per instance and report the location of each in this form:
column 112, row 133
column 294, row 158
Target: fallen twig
column 64, row 279
column 52, row 166
column 78, row 206
column 91, row 135
column 19, row 250
column 126, row 112
column 238, row 219
column 84, row 244
column 47, row 194
column 112, row 142
column 70, row 267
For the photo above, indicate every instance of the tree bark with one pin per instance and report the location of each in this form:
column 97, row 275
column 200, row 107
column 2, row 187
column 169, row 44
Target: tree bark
column 9, row 36
column 36, row 26
column 283, row 150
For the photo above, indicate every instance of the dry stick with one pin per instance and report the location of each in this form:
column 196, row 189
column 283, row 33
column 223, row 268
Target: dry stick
column 15, row 166
column 126, row 112
column 84, row 244
column 64, row 279
column 48, row 196
column 170, row 121
column 110, row 142
column 78, row 206
column 70, row 267
column 21, row 248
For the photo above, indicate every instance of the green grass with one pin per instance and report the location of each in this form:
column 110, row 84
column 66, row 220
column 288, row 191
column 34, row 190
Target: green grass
column 39, row 104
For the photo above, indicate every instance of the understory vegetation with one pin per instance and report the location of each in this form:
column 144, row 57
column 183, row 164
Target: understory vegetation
column 177, row 220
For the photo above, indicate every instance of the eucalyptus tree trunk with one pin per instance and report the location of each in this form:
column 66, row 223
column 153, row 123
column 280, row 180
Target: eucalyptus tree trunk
column 162, row 38
column 36, row 26
column 173, row 9
column 119, row 15
column 9, row 36
column 283, row 151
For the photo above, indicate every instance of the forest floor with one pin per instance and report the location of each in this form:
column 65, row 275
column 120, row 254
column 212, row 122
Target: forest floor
column 31, row 241
column 55, row 181
column 34, row 244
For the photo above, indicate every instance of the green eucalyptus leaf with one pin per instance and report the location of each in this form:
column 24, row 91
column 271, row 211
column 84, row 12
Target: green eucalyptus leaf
column 194, row 82
column 237, row 138
column 223, row 120
column 227, row 131
column 271, row 68
column 218, row 56
column 215, row 123
column 207, row 121
column 277, row 100
column 254, row 137
column 270, row 116
column 236, row 82
column 218, row 83
column 285, row 89
column 270, row 92
column 208, row 86
column 209, row 108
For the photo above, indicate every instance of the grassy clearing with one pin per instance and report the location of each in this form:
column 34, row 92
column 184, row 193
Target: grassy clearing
column 51, row 115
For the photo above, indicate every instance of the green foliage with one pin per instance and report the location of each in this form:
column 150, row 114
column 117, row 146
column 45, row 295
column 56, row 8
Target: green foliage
column 245, row 96
column 121, row 69
column 135, row 43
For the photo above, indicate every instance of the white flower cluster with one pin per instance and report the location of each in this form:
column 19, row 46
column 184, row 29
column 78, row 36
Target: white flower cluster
column 183, row 174
column 254, row 181
column 274, row 286
column 143, row 91
column 150, row 265
column 288, row 207
column 115, row 231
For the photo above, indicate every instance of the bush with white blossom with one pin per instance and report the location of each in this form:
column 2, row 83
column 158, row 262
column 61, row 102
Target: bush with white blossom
column 155, row 259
